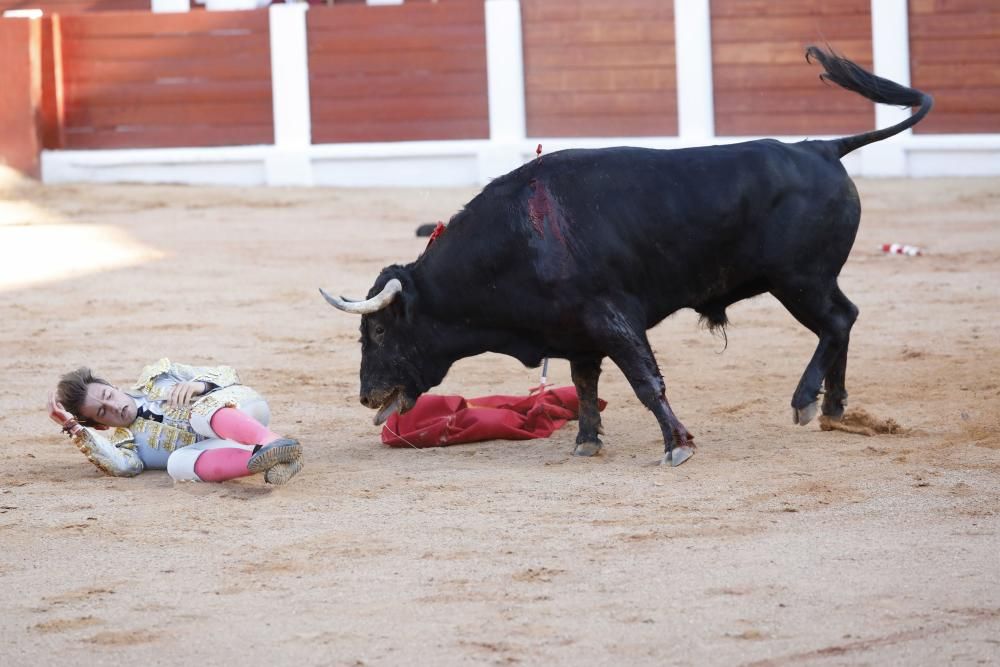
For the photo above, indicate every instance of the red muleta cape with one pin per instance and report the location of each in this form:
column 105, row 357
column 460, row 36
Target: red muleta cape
column 436, row 421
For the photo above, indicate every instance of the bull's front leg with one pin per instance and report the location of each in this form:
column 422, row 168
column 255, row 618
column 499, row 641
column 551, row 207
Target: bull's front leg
column 628, row 347
column 678, row 443
column 586, row 374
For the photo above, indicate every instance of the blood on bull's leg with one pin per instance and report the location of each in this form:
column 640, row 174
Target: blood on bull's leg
column 678, row 443
column 585, row 376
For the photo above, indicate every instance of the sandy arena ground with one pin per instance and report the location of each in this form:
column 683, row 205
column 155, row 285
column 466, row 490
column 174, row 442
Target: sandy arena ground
column 775, row 545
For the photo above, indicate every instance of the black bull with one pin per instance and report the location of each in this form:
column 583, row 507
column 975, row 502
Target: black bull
column 577, row 254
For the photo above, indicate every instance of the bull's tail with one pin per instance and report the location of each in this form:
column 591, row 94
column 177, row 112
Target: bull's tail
column 851, row 76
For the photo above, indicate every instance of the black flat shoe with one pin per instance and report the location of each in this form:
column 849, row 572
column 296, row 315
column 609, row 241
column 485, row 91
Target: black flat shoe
column 280, row 473
column 282, row 450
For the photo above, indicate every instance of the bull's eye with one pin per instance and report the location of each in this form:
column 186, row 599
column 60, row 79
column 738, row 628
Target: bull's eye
column 379, row 330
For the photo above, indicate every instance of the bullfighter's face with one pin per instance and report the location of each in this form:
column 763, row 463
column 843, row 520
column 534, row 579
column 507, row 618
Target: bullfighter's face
column 108, row 406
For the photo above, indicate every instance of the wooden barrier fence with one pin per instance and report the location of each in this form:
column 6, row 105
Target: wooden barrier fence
column 420, row 71
column 955, row 52
column 761, row 86
column 20, row 94
column 76, row 6
column 132, row 79
column 599, row 69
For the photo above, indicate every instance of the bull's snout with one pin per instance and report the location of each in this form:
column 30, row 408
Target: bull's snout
column 365, row 401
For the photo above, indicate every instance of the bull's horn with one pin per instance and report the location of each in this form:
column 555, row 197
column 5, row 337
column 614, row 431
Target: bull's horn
column 377, row 302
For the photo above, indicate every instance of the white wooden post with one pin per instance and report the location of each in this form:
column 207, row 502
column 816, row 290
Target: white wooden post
column 695, row 100
column 505, row 86
column 891, row 54
column 290, row 163
column 170, row 6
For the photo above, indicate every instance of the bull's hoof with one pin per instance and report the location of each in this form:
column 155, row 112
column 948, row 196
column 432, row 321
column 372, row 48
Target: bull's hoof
column 587, row 448
column 803, row 416
column 833, row 413
column 677, row 456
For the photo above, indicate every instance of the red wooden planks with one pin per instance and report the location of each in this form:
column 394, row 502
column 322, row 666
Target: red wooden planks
column 400, row 73
column 954, row 56
column 136, row 79
column 20, row 94
column 599, row 69
column 763, row 85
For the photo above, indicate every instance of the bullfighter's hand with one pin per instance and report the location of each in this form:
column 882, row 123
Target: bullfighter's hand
column 57, row 412
column 183, row 393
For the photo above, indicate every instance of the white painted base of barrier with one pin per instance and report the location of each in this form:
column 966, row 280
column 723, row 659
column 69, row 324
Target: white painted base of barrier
column 239, row 165
column 953, row 155
column 458, row 163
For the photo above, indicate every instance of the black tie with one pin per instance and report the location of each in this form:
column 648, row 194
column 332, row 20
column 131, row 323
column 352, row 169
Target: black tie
column 145, row 413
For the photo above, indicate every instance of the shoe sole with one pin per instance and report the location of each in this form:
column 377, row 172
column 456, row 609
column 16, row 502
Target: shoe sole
column 280, row 473
column 284, row 450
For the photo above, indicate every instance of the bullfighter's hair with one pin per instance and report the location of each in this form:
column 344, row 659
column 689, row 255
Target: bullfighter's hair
column 72, row 391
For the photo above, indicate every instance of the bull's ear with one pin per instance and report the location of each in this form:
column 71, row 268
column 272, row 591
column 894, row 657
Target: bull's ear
column 404, row 306
column 409, row 305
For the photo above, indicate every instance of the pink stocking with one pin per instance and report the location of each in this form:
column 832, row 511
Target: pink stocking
column 231, row 424
column 218, row 465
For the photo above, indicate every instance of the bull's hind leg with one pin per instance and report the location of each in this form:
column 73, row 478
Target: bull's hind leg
column 585, row 376
column 835, row 398
column 628, row 347
column 830, row 315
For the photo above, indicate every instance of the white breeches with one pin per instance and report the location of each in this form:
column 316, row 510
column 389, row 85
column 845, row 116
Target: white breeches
column 241, row 397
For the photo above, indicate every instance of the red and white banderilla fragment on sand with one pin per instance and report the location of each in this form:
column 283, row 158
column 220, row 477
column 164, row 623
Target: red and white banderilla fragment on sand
column 901, row 249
